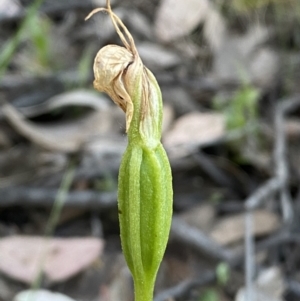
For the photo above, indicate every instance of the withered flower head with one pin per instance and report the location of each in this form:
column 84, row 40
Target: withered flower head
column 120, row 73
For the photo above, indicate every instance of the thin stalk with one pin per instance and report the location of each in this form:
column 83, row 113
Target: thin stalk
column 54, row 216
column 60, row 200
column 143, row 291
column 9, row 48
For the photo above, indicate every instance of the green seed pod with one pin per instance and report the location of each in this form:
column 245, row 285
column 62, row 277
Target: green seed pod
column 145, row 182
column 145, row 207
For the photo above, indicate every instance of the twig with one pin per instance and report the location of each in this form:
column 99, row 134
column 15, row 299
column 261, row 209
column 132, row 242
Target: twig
column 280, row 180
column 277, row 239
column 196, row 239
column 278, row 183
column 184, row 287
column 249, row 258
column 280, row 154
column 213, row 171
column 52, row 8
column 45, row 197
column 293, row 286
column 256, row 198
column 56, row 81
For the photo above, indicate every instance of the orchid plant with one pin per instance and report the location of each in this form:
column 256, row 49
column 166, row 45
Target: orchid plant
column 145, row 193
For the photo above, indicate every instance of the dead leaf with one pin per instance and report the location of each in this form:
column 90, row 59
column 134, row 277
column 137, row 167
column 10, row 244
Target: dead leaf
column 10, row 8
column 215, row 29
column 41, row 295
column 22, row 257
column 292, row 128
column 264, row 67
column 67, row 136
column 268, row 286
column 194, row 130
column 231, row 229
column 80, row 97
column 200, row 216
column 259, row 296
column 271, row 281
column 246, row 56
column 171, row 22
column 175, row 18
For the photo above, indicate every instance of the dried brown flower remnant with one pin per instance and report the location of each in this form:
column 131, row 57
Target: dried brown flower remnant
column 120, row 73
column 110, row 67
column 110, row 64
column 115, row 67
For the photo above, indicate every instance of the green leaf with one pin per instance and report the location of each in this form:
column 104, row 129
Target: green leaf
column 223, row 273
column 210, row 295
